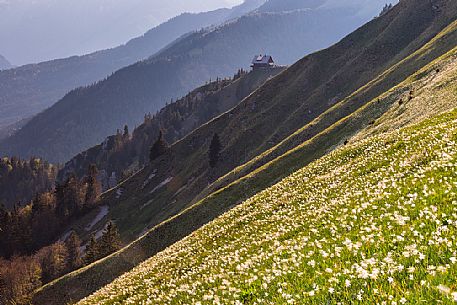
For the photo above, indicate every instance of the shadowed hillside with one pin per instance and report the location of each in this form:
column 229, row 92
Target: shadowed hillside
column 292, row 101
column 20, row 180
column 86, row 116
column 123, row 154
column 29, row 89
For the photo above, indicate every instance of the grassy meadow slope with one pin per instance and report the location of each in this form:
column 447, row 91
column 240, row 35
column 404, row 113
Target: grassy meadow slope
column 85, row 281
column 373, row 222
column 355, row 112
column 246, row 129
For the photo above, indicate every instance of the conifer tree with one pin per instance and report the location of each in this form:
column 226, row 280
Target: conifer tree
column 214, row 151
column 73, row 244
column 92, row 250
column 159, row 148
column 69, row 197
column 4, row 230
column 110, row 241
column 93, row 190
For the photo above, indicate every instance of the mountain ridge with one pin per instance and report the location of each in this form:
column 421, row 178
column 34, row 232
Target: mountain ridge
column 53, row 79
column 141, row 85
column 175, row 121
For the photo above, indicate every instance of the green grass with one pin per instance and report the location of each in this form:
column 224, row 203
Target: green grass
column 431, row 89
column 372, row 222
column 356, row 110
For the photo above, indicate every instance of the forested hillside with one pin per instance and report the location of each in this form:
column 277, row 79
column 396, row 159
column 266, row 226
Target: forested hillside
column 299, row 108
column 85, row 116
column 20, row 180
column 36, row 244
column 123, row 154
column 368, row 80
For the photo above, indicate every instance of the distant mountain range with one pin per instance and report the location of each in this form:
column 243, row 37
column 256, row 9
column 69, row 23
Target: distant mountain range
column 85, row 116
column 282, row 5
column 4, row 63
column 35, row 31
column 29, row 89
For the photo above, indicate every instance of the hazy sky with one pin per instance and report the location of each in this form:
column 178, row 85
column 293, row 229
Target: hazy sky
column 37, row 30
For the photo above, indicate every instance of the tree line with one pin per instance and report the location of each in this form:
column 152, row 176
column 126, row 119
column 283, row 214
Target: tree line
column 20, row 179
column 24, row 230
column 126, row 152
column 22, row 275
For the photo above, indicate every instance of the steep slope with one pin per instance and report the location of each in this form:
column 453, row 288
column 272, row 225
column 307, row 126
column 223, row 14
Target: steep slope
column 86, row 116
column 299, row 108
column 245, row 7
column 4, row 63
column 156, row 204
column 370, row 223
column 120, row 155
column 29, row 89
column 9, row 130
column 431, row 89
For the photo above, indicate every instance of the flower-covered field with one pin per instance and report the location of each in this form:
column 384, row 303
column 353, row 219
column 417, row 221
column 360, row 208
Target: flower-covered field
column 371, row 223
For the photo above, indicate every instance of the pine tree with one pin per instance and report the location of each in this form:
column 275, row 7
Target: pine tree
column 214, row 153
column 93, row 190
column 386, row 9
column 92, row 250
column 69, row 197
column 4, row 230
column 159, row 148
column 73, row 244
column 110, row 241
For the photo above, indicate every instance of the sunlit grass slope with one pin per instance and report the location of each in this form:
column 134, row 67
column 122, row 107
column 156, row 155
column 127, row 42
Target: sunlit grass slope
column 372, row 222
column 433, row 90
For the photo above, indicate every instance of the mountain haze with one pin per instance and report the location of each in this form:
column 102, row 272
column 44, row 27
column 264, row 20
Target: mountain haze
column 4, row 63
column 281, row 5
column 86, row 116
column 27, row 90
column 36, row 31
